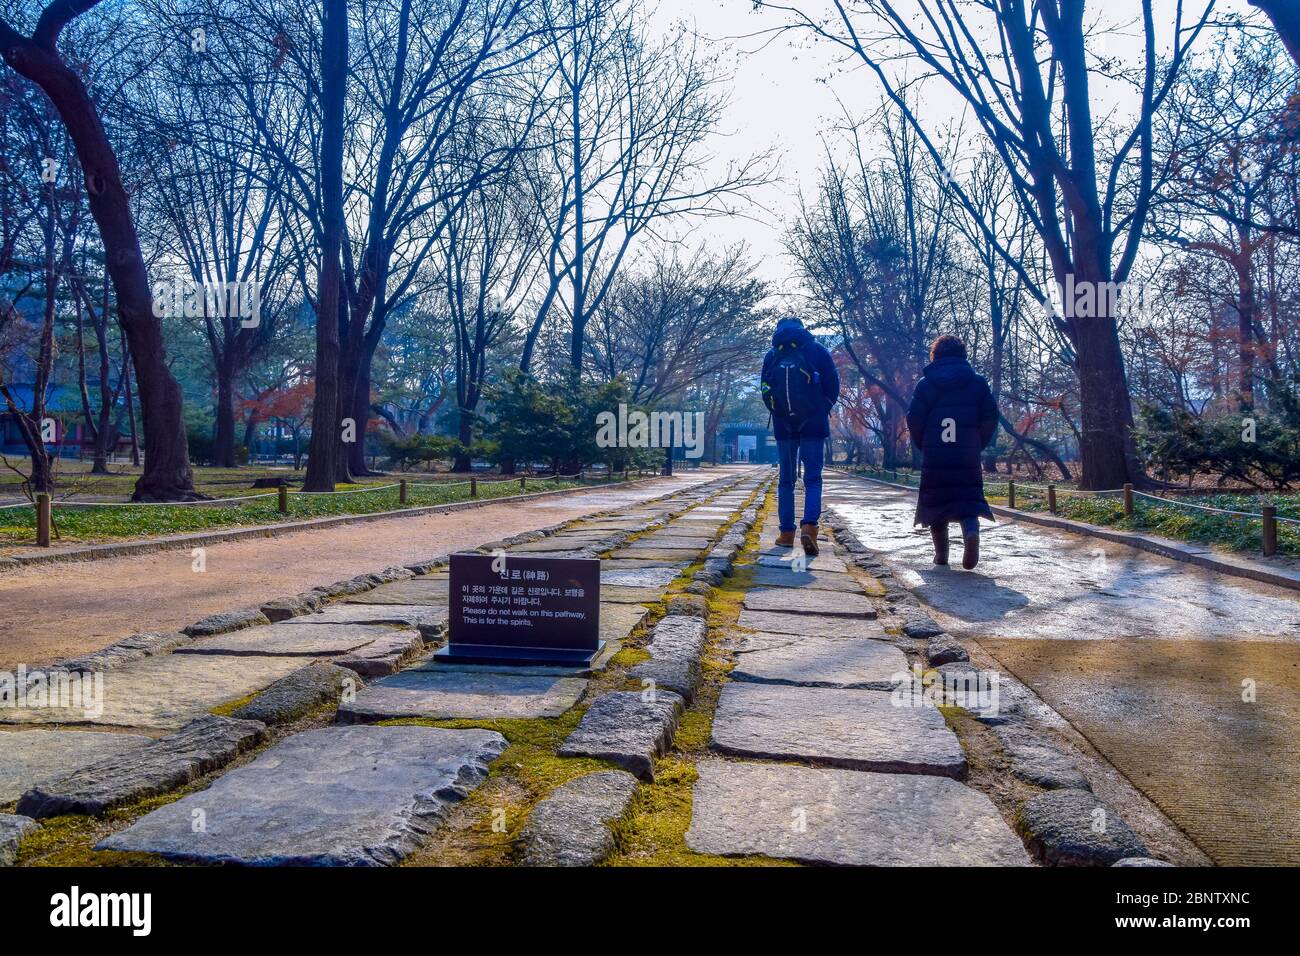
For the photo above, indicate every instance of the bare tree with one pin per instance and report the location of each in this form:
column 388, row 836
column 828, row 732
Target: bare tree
column 1026, row 72
column 1231, row 141
column 325, row 437
column 873, row 250
column 166, row 475
column 628, row 116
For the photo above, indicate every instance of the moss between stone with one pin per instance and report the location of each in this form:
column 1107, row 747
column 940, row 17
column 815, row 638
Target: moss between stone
column 654, row 831
column 484, row 829
column 230, row 706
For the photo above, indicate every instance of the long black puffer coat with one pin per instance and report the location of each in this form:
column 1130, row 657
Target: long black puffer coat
column 951, row 402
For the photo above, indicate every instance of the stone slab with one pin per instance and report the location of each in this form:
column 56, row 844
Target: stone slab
column 617, row 621
column 616, row 594
column 675, row 648
column 628, row 729
column 12, row 830
column 686, row 544
column 1036, row 761
column 336, row 796
column 431, row 622
column 784, row 557
column 563, row 542
column 794, row 601
column 677, row 556
column 621, row 563
column 638, row 577
column 385, row 655
column 816, row 580
column 853, row 729
column 846, row 818
column 571, row 826
column 441, row 695
column 291, row 697
column 1074, row 828
column 429, row 589
column 227, row 621
column 199, row 747
column 29, row 758
column 811, row 625
column 289, row 638
column 127, row 650
column 819, row 662
column 168, row 691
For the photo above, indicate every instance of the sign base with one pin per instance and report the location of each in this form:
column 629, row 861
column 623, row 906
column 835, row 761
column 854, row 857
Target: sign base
column 461, row 653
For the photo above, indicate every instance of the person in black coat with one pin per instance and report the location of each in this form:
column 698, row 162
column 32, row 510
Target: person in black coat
column 953, row 417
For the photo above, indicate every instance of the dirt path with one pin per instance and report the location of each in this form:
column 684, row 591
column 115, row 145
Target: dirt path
column 1186, row 680
column 53, row 612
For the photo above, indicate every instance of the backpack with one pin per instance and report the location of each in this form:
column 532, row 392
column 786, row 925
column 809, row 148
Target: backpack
column 795, row 386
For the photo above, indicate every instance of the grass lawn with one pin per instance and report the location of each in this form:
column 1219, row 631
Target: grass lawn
column 75, row 482
column 119, row 521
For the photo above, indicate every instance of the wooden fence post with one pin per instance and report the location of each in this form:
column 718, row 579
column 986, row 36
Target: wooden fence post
column 401, row 492
column 1128, row 500
column 283, row 499
column 1270, row 530
column 1011, row 493
column 473, row 487
column 1051, row 498
column 523, row 483
column 43, row 520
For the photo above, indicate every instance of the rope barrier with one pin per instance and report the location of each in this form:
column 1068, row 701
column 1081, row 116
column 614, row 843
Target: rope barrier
column 1220, row 511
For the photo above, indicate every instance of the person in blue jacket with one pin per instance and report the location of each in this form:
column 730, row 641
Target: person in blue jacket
column 799, row 385
column 953, row 417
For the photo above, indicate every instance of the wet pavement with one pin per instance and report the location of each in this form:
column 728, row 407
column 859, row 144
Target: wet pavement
column 1187, row 681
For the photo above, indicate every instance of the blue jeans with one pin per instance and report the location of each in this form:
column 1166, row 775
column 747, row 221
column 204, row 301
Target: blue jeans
column 811, row 452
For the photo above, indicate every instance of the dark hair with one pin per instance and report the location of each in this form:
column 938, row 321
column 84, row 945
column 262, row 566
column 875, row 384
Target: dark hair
column 947, row 345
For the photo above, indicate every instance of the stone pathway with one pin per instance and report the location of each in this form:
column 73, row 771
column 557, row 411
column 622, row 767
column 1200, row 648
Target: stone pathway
column 350, row 794
column 814, row 686
column 819, row 749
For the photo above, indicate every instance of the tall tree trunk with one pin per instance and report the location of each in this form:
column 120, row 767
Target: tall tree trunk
column 353, row 431
column 130, row 404
column 223, row 447
column 250, row 431
column 1107, row 450
column 1243, row 265
column 324, row 420
column 361, row 410
column 1285, row 15
column 167, row 475
column 107, row 396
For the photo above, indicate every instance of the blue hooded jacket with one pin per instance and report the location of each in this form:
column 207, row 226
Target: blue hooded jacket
column 819, row 426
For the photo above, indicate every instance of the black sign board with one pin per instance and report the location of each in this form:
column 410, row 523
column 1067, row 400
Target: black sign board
column 523, row 610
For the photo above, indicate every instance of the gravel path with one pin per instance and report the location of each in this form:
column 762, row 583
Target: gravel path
column 57, row 611
column 1187, row 681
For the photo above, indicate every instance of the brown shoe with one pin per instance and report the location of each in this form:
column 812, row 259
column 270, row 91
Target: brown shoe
column 808, row 538
column 785, row 539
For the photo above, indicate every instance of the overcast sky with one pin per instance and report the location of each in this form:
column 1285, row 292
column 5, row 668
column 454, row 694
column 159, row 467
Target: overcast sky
column 788, row 91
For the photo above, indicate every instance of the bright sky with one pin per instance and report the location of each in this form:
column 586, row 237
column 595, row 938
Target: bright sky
column 787, row 95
